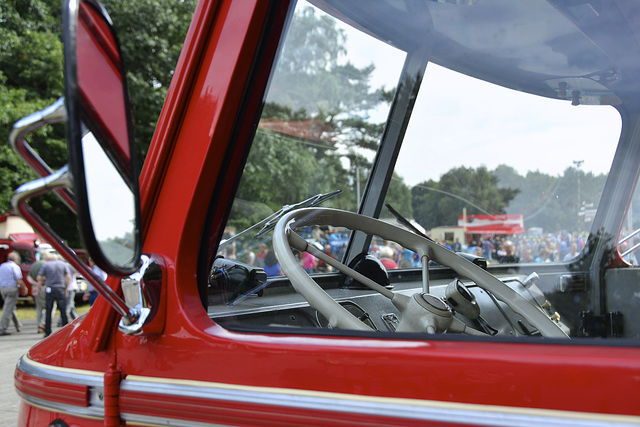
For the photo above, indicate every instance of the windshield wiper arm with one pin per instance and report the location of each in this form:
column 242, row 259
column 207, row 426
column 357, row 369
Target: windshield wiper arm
column 404, row 221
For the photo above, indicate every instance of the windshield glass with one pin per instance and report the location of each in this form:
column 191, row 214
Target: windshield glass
column 468, row 141
column 502, row 174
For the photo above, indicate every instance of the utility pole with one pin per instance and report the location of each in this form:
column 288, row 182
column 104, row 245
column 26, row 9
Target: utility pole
column 578, row 164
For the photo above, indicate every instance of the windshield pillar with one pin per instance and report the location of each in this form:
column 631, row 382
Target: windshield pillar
column 385, row 160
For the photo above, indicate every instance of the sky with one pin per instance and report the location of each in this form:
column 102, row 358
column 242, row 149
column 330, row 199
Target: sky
column 460, row 120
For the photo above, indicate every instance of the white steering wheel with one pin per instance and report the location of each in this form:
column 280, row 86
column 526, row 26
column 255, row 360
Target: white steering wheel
column 421, row 312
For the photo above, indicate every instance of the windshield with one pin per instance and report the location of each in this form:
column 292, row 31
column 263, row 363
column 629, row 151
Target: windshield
column 321, row 126
column 476, row 146
column 481, row 166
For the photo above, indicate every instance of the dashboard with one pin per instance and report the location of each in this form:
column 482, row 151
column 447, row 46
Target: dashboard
column 277, row 304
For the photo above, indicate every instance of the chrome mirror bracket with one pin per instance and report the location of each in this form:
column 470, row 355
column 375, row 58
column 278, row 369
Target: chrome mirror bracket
column 134, row 297
column 134, row 325
column 143, row 291
column 58, row 180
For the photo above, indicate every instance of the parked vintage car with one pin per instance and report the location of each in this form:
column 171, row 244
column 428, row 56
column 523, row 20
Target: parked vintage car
column 283, row 116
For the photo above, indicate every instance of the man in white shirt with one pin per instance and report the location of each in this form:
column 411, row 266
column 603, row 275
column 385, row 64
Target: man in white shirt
column 11, row 284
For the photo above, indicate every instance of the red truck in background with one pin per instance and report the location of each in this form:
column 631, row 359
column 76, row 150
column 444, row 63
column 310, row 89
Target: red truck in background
column 17, row 235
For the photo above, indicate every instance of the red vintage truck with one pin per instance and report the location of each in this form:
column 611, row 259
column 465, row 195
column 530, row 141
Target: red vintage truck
column 291, row 115
column 31, row 249
column 29, row 253
column 16, row 235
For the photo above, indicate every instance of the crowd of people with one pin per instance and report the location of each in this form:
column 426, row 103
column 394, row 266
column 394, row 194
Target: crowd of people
column 521, row 248
column 266, row 258
column 555, row 247
column 53, row 284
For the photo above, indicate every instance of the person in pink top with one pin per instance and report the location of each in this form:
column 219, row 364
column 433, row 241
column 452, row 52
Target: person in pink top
column 308, row 262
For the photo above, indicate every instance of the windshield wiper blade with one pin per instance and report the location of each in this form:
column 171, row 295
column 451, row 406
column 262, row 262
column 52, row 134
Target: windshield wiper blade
column 310, row 202
column 269, row 222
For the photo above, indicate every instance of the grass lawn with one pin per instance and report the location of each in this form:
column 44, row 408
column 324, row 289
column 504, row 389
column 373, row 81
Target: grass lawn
column 27, row 309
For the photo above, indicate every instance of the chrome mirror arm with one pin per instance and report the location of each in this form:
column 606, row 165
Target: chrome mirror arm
column 55, row 113
column 627, row 238
column 57, row 180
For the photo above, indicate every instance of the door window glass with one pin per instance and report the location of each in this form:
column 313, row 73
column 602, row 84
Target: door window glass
column 322, row 122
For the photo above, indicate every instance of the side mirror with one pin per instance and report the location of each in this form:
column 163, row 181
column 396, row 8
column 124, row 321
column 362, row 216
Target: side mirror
column 100, row 134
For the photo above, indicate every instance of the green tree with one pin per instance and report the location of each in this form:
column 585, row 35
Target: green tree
column 151, row 34
column 399, row 196
column 313, row 75
column 425, row 198
column 31, row 78
column 268, row 182
column 552, row 202
column 440, row 203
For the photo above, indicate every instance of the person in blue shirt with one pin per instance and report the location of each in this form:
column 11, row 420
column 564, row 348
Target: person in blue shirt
column 55, row 275
column 271, row 265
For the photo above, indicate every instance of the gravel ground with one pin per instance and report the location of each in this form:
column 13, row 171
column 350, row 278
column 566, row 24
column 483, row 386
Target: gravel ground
column 12, row 347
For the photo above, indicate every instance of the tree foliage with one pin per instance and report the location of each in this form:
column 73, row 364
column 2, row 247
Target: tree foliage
column 440, row 203
column 311, row 75
column 31, row 78
column 315, row 76
column 269, row 182
column 553, row 203
column 151, row 34
column 316, row 90
column 399, row 196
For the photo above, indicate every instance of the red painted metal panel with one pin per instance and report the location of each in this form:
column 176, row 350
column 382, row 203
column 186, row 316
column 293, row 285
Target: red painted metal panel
column 544, row 376
column 54, row 391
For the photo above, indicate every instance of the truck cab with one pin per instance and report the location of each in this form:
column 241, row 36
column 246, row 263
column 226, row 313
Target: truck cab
column 334, row 137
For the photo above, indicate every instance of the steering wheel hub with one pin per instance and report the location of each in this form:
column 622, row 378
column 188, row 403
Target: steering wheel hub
column 425, row 313
column 432, row 303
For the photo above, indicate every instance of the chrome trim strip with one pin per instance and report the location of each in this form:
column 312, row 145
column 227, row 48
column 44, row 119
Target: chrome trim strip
column 54, row 373
column 148, row 420
column 94, row 380
column 436, row 411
